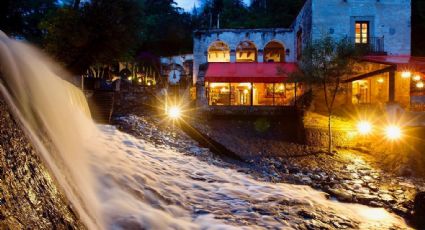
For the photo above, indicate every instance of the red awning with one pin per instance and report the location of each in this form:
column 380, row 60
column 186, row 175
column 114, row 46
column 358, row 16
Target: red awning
column 249, row 72
column 403, row 63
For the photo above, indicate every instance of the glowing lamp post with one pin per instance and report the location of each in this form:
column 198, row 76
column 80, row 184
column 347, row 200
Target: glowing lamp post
column 364, row 127
column 174, row 112
column 406, row 74
column 393, row 132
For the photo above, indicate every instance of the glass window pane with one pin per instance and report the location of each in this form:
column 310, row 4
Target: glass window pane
column 218, row 93
column 240, row 94
column 263, row 94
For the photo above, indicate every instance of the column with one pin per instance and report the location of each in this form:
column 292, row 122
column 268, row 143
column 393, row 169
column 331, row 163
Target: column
column 260, row 56
column 232, row 56
column 391, row 86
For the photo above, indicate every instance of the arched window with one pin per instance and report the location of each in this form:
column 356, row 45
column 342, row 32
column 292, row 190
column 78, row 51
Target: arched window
column 274, row 52
column 246, row 52
column 219, row 52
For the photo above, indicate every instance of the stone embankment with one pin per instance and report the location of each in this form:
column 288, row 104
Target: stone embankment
column 30, row 198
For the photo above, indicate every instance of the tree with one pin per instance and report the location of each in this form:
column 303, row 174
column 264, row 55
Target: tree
column 326, row 63
column 21, row 18
column 97, row 31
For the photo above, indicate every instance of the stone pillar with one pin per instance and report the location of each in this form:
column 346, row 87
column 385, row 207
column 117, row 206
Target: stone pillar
column 260, row 56
column 232, row 56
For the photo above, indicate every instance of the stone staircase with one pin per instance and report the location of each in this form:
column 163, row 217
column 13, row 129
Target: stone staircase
column 101, row 105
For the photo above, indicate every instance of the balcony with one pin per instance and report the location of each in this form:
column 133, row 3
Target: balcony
column 375, row 45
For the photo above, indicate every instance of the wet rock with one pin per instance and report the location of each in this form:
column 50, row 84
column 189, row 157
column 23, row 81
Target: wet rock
column 341, row 194
column 306, row 214
column 365, row 198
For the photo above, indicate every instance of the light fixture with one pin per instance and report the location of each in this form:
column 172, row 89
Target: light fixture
column 245, row 91
column 420, row 85
column 380, row 80
column 129, row 78
column 393, row 132
column 406, row 74
column 417, row 78
column 364, row 127
column 174, row 112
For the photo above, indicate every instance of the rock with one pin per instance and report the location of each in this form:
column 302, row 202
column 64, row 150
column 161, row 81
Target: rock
column 373, row 187
column 306, row 214
column 387, row 198
column 341, row 194
column 365, row 198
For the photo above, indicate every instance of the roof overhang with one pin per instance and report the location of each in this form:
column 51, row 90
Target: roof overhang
column 249, row 72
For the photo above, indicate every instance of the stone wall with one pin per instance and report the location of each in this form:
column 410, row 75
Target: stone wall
column 233, row 37
column 30, row 198
column 390, row 19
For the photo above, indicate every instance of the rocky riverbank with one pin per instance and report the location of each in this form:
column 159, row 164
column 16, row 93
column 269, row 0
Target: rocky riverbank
column 30, row 198
column 347, row 176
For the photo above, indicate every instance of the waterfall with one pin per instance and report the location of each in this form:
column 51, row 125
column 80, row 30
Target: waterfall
column 116, row 181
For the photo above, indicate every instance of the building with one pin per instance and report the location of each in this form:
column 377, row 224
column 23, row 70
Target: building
column 249, row 67
column 177, row 69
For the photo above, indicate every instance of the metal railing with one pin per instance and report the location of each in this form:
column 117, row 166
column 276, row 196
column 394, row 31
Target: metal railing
column 374, row 45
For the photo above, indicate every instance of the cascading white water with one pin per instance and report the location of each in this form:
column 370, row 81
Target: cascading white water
column 116, row 181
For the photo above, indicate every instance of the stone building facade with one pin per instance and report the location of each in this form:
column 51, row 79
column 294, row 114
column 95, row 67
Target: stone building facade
column 388, row 73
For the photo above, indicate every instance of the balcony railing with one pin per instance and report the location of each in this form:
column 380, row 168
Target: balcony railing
column 375, row 45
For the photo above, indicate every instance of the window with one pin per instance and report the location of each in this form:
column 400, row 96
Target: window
column 219, row 52
column 299, row 44
column 219, row 93
column 274, row 52
column 362, row 32
column 246, row 51
column 361, row 92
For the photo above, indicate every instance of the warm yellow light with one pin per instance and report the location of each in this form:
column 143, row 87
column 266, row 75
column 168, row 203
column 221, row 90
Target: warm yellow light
column 174, row 112
column 364, row 127
column 129, row 78
column 223, row 90
column 245, row 85
column 245, row 91
column 380, row 80
column 393, row 132
column 420, row 85
column 149, row 83
column 140, row 80
column 406, row 74
column 417, row 78
column 281, row 87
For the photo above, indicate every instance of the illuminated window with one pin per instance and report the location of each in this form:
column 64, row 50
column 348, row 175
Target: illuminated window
column 361, row 93
column 219, row 52
column 362, row 33
column 246, row 52
column 274, row 52
column 219, row 93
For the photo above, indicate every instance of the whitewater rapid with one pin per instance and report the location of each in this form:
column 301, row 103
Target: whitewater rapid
column 116, row 181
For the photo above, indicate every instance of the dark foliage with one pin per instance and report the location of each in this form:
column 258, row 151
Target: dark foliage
column 100, row 31
column 21, row 18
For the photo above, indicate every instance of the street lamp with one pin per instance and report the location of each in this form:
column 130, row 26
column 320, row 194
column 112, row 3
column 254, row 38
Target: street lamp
column 364, row 127
column 393, row 132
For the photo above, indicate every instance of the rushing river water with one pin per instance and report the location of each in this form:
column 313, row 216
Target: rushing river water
column 116, row 181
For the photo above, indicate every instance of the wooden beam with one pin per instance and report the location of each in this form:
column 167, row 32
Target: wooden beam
column 371, row 74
